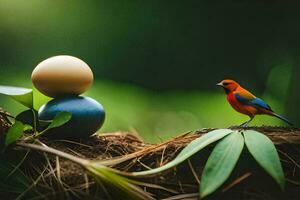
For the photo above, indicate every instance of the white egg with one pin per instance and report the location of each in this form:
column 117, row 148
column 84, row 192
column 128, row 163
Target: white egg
column 62, row 75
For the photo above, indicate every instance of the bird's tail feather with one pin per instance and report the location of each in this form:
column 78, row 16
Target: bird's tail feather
column 282, row 118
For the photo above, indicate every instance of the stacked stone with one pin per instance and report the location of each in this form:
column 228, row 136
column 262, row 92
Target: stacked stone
column 65, row 78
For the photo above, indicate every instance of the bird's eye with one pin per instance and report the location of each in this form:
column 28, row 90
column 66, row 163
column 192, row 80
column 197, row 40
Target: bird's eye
column 225, row 83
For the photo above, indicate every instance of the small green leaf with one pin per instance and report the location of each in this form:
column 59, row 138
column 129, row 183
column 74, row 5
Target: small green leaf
column 110, row 176
column 27, row 127
column 60, row 119
column 192, row 148
column 14, row 133
column 264, row 152
column 22, row 95
column 221, row 163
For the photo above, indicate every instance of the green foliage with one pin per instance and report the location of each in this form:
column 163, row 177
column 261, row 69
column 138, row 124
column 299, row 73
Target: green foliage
column 28, row 119
column 113, row 177
column 14, row 132
column 221, row 163
column 60, row 119
column 21, row 95
column 192, row 148
column 39, row 99
column 17, row 129
column 224, row 157
column 264, row 152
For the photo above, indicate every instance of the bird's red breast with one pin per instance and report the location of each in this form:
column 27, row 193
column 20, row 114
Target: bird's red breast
column 238, row 106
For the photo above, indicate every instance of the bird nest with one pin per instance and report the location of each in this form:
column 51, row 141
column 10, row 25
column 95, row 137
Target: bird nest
column 57, row 178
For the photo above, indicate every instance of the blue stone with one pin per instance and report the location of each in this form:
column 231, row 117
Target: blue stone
column 87, row 116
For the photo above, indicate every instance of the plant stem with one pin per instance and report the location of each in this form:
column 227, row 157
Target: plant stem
column 34, row 120
column 37, row 134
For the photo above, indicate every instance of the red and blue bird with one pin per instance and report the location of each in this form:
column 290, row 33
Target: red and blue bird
column 246, row 103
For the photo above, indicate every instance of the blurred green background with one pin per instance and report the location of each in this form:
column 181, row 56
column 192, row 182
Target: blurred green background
column 156, row 63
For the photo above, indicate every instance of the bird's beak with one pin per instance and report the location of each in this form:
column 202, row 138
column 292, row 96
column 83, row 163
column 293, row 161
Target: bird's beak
column 220, row 84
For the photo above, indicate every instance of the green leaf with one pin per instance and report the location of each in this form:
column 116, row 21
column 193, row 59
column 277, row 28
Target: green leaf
column 22, row 95
column 39, row 99
column 14, row 133
column 60, row 119
column 192, row 148
column 27, row 127
column 112, row 177
column 264, row 152
column 221, row 163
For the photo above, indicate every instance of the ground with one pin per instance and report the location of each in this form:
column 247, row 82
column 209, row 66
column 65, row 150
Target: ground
column 65, row 180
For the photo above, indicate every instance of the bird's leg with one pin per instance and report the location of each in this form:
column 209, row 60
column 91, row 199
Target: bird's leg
column 245, row 124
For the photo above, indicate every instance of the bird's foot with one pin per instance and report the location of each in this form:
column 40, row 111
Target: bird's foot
column 245, row 124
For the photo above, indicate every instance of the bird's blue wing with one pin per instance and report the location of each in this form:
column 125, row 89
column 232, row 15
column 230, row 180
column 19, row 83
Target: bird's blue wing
column 260, row 103
column 256, row 102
